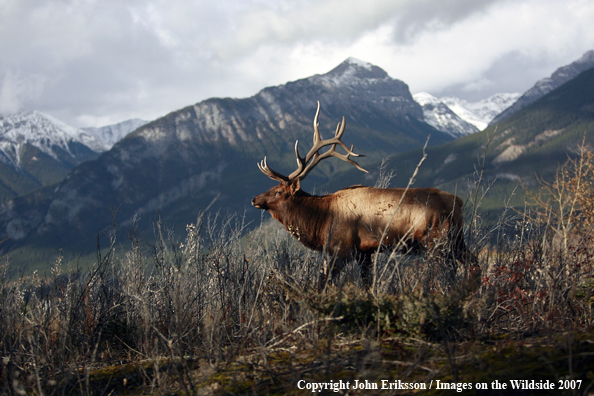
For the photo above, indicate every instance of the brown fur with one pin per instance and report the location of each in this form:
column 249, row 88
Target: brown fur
column 351, row 221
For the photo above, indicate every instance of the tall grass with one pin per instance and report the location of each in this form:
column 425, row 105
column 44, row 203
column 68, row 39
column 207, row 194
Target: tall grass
column 168, row 313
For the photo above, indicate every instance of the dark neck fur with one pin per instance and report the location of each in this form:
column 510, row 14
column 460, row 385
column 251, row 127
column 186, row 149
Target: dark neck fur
column 306, row 220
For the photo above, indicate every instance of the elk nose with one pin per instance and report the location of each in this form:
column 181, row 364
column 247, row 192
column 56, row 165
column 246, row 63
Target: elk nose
column 258, row 205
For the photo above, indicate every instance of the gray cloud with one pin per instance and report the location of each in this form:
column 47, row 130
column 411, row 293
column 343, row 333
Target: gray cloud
column 340, row 21
column 511, row 72
column 93, row 62
column 15, row 90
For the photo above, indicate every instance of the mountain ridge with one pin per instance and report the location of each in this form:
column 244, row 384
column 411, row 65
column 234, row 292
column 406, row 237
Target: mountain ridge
column 41, row 131
column 459, row 117
column 37, row 149
column 547, row 84
column 178, row 163
column 109, row 135
column 481, row 113
column 529, row 146
column 442, row 117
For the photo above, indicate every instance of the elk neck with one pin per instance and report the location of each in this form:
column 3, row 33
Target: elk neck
column 306, row 218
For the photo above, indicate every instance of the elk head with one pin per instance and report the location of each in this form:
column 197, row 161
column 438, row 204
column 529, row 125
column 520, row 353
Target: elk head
column 290, row 186
column 273, row 198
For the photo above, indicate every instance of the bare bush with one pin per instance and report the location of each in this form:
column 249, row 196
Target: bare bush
column 540, row 275
column 165, row 313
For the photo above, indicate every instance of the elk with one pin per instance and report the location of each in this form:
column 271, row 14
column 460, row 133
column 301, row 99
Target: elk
column 358, row 221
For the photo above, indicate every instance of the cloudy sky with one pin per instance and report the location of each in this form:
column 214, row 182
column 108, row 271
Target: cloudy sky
column 96, row 62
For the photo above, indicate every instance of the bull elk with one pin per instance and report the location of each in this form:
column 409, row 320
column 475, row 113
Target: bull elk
column 358, row 220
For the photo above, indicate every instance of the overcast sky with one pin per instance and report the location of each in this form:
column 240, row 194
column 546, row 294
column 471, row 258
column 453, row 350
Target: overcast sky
column 96, row 62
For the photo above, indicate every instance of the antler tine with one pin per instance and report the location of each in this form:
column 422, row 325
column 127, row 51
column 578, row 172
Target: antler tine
column 313, row 157
column 345, row 157
column 274, row 175
column 300, row 163
column 299, row 159
column 316, row 137
column 340, row 128
column 332, row 153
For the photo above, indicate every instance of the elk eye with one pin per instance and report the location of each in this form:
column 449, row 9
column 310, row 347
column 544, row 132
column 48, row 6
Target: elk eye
column 278, row 193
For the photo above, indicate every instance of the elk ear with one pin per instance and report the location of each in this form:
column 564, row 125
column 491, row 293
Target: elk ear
column 295, row 185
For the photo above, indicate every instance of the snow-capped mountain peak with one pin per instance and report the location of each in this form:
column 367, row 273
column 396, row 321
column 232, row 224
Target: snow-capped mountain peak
column 354, row 72
column 476, row 114
column 54, row 137
column 547, row 84
column 111, row 134
column 359, row 62
column 425, row 98
column 482, row 112
column 42, row 131
column 441, row 117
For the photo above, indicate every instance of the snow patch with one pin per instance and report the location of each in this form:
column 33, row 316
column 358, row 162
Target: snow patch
column 424, row 98
column 360, row 63
column 481, row 113
column 353, row 72
column 441, row 117
column 111, row 134
column 41, row 131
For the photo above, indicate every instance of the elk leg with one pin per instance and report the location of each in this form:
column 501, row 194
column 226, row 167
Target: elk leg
column 330, row 271
column 472, row 270
column 451, row 266
column 366, row 270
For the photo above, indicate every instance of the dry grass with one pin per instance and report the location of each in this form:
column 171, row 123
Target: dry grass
column 226, row 311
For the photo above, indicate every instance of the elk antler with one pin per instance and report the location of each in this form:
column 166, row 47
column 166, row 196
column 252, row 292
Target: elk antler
column 305, row 165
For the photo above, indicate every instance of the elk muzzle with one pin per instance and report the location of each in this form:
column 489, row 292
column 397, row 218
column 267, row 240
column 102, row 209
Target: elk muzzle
column 259, row 202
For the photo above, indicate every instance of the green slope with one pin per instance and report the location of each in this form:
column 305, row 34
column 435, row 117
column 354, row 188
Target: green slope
column 530, row 144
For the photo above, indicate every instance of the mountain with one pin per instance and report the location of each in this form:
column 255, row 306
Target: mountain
column 531, row 143
column 38, row 150
column 111, row 134
column 459, row 117
column 482, row 112
column 178, row 163
column 546, row 85
column 441, row 117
